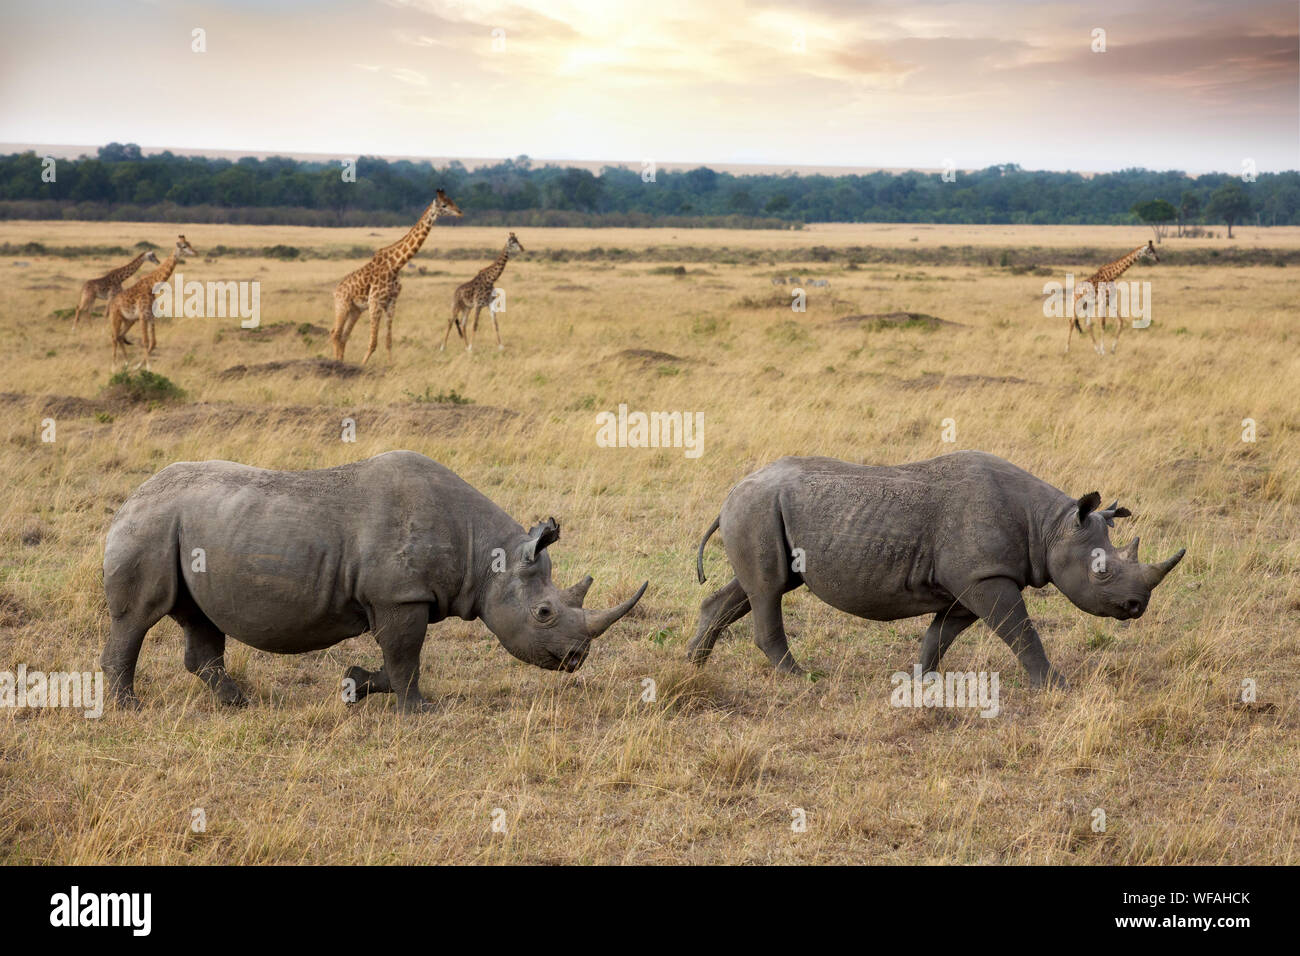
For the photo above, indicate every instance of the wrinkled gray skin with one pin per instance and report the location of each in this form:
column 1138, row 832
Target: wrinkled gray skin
column 957, row 536
column 300, row 560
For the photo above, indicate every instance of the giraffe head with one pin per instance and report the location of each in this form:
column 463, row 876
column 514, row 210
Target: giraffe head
column 183, row 247
column 443, row 206
column 1149, row 251
column 152, row 257
column 513, row 245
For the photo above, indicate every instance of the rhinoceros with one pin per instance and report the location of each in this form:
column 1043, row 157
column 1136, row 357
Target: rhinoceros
column 958, row 536
column 294, row 561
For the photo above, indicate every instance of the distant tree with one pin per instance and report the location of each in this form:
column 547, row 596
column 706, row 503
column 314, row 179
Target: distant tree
column 1189, row 207
column 1157, row 214
column 1229, row 203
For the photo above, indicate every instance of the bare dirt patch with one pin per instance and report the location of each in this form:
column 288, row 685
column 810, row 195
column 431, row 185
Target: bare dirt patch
column 297, row 368
column 899, row 320
column 934, row 380
column 650, row 358
column 325, row 422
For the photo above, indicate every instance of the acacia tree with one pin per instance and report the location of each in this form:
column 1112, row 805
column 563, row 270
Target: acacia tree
column 1157, row 214
column 1229, row 203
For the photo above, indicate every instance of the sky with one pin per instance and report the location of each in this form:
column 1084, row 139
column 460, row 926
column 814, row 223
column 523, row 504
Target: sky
column 1181, row 84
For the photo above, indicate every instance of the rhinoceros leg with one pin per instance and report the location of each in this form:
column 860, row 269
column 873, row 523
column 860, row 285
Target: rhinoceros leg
column 399, row 632
column 719, row 611
column 943, row 630
column 205, row 652
column 999, row 602
column 769, row 632
column 366, row 682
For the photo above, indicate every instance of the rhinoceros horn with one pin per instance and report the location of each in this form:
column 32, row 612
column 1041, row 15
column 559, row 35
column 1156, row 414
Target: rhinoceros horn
column 599, row 621
column 1155, row 573
column 1131, row 552
column 575, row 595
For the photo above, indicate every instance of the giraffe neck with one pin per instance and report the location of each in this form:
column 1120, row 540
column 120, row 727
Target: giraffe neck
column 400, row 252
column 162, row 273
column 1114, row 270
column 493, row 272
column 123, row 271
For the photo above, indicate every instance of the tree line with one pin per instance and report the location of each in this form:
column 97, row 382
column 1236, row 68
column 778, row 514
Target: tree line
column 119, row 182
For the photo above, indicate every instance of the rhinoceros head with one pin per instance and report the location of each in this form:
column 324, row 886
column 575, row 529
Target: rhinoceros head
column 532, row 618
column 1091, row 572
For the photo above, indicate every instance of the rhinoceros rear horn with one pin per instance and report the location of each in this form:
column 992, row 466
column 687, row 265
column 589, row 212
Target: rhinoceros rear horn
column 1131, row 552
column 1155, row 573
column 540, row 536
column 600, row 621
column 575, row 595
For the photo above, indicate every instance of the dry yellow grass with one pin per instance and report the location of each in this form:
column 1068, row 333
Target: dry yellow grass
column 584, row 770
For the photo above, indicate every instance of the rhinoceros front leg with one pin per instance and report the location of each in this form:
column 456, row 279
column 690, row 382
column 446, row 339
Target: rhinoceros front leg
column 399, row 632
column 943, row 630
column 999, row 602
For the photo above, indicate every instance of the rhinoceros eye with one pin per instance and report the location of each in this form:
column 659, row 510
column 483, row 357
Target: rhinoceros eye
column 544, row 614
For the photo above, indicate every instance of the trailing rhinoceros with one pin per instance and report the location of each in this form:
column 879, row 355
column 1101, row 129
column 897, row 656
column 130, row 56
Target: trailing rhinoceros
column 957, row 536
column 293, row 561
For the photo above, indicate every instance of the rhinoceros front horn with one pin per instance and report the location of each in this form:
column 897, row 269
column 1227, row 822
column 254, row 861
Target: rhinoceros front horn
column 1155, row 573
column 599, row 621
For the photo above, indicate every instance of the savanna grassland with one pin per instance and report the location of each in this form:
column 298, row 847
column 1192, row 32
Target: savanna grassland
column 1153, row 731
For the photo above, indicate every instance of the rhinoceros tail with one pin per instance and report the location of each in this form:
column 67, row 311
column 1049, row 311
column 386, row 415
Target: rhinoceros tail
column 699, row 555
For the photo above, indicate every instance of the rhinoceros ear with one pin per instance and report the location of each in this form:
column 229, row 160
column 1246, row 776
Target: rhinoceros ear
column 1088, row 504
column 1113, row 511
column 540, row 536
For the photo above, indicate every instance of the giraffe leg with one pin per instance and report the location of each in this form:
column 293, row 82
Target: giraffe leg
column 454, row 320
column 471, row 332
column 87, row 303
column 496, row 328
column 345, row 313
column 1069, row 333
column 376, row 304
column 394, row 291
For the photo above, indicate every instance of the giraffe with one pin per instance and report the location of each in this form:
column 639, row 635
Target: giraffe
column 108, row 285
column 136, row 304
column 375, row 285
column 1099, row 282
column 477, row 293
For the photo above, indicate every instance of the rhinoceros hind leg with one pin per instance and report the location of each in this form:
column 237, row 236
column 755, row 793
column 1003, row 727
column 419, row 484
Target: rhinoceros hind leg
column 366, row 682
column 205, row 653
column 769, row 633
column 999, row 602
column 126, row 635
column 719, row 611
column 399, row 632
column 943, row 630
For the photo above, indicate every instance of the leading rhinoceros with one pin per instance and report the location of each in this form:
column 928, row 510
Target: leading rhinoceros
column 293, row 561
column 957, row 536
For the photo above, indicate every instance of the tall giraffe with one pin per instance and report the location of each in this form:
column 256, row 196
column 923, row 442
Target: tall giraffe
column 375, row 285
column 1099, row 283
column 136, row 304
column 108, row 285
column 477, row 293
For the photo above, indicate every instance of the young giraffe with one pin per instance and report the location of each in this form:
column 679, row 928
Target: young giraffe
column 375, row 285
column 136, row 304
column 477, row 293
column 108, row 285
column 1099, row 283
